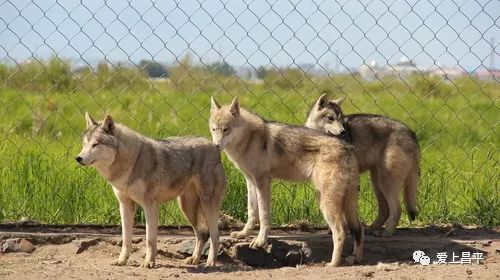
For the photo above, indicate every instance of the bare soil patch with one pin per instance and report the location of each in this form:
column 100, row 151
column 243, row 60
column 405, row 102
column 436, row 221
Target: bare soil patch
column 86, row 252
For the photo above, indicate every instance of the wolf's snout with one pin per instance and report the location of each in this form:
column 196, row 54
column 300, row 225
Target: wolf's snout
column 343, row 134
column 218, row 146
column 79, row 159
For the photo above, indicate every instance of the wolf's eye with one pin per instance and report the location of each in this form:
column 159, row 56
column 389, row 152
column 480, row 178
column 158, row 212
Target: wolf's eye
column 94, row 145
column 331, row 119
column 225, row 130
column 213, row 129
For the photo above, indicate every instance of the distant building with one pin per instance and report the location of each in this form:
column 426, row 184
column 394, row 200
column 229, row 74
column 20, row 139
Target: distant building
column 246, row 73
column 314, row 69
column 488, row 74
column 403, row 69
column 446, row 72
column 369, row 71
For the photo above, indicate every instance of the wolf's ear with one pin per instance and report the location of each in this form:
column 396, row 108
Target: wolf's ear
column 108, row 124
column 214, row 105
column 322, row 101
column 89, row 120
column 338, row 101
column 235, row 107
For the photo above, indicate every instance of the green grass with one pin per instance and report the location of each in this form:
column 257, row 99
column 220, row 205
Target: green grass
column 39, row 179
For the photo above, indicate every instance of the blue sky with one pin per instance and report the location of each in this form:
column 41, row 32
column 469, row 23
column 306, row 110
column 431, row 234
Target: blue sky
column 333, row 34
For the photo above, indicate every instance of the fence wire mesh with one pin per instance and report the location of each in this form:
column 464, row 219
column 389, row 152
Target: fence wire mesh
column 154, row 65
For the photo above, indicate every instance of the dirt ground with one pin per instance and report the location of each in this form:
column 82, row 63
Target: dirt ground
column 86, row 252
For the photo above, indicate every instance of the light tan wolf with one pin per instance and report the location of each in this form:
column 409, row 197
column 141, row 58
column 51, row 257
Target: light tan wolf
column 385, row 147
column 147, row 172
column 265, row 150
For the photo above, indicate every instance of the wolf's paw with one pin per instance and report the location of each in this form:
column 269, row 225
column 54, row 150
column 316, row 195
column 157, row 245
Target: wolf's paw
column 371, row 229
column 210, row 263
column 119, row 262
column 352, row 259
column 333, row 264
column 257, row 243
column 192, row 260
column 382, row 233
column 239, row 234
column 148, row 264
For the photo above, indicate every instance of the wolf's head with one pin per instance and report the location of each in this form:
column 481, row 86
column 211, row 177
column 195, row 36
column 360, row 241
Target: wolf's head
column 224, row 123
column 99, row 143
column 326, row 116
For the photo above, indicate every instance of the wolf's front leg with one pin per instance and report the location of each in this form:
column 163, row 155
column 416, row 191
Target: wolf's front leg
column 151, row 213
column 253, row 212
column 127, row 212
column 264, row 201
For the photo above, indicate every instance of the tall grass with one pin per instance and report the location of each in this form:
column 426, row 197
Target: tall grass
column 40, row 180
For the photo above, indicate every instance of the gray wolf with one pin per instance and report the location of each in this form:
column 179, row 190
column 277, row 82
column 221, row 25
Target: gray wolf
column 147, row 172
column 385, row 147
column 264, row 150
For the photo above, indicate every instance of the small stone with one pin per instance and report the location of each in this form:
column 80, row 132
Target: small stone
column 137, row 240
column 187, row 248
column 83, row 245
column 170, row 255
column 468, row 271
column 10, row 245
column 26, row 246
column 173, row 241
column 14, row 245
column 275, row 254
column 368, row 274
column 487, row 243
column 387, row 266
column 52, row 262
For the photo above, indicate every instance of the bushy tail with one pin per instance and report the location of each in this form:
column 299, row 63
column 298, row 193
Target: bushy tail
column 410, row 191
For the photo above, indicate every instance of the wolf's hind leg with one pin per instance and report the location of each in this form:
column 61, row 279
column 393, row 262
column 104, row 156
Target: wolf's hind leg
column 151, row 213
column 392, row 191
column 212, row 218
column 354, row 224
column 189, row 203
column 332, row 211
column 383, row 209
column 331, row 204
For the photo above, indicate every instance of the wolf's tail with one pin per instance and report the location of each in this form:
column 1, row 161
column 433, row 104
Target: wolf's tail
column 410, row 191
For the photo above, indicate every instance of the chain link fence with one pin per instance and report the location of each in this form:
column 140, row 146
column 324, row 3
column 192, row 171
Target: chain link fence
column 153, row 66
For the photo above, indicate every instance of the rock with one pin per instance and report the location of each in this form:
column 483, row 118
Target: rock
column 84, row 244
column 276, row 254
column 26, row 246
column 368, row 274
column 52, row 262
column 227, row 222
column 468, row 271
column 387, row 266
column 187, row 248
column 170, row 255
column 15, row 245
column 487, row 243
column 137, row 240
column 9, row 245
column 173, row 241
